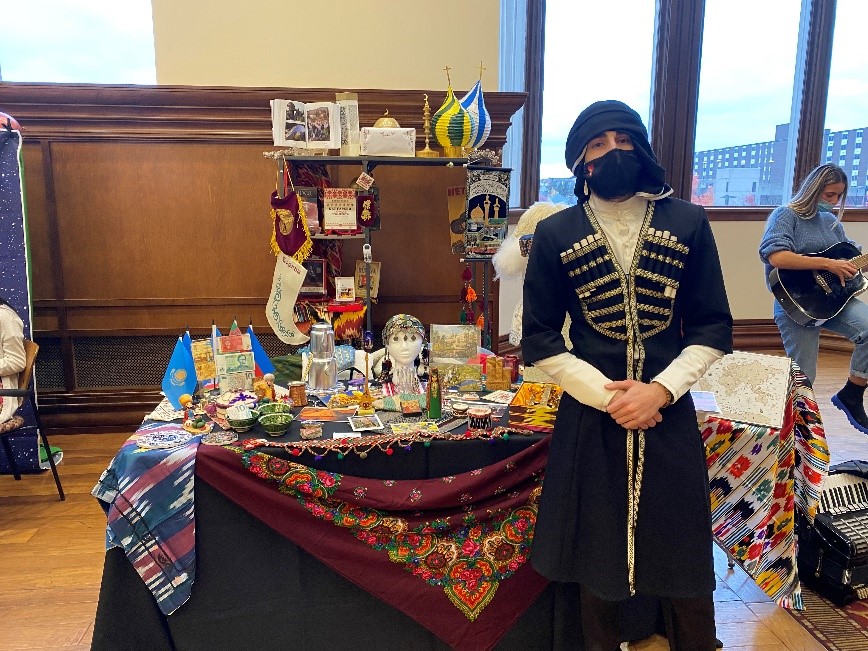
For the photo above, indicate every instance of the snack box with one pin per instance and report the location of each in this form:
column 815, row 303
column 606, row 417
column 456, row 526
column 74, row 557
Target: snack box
column 535, row 406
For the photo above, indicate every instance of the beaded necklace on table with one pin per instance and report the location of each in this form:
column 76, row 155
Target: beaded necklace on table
column 386, row 443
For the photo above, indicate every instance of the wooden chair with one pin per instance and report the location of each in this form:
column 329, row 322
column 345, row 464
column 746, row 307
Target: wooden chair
column 25, row 391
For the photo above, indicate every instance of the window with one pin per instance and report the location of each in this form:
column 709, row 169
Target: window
column 742, row 103
column 847, row 103
column 749, row 98
column 626, row 74
column 100, row 41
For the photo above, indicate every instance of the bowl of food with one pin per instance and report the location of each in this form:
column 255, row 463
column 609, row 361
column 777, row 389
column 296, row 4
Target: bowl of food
column 275, row 408
column 275, row 424
column 244, row 424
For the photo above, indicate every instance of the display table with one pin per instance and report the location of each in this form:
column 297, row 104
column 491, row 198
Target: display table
column 268, row 572
column 758, row 476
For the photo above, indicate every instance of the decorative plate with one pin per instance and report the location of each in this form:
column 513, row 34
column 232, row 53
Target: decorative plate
column 219, row 438
column 163, row 439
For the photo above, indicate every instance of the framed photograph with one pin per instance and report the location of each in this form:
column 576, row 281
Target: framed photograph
column 345, row 289
column 361, row 423
column 315, row 280
column 323, row 125
column 362, row 278
column 454, row 343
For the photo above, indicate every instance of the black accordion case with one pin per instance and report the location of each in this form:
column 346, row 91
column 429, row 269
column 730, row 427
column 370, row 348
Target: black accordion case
column 833, row 550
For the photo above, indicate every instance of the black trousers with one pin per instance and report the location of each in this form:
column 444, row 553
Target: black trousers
column 689, row 623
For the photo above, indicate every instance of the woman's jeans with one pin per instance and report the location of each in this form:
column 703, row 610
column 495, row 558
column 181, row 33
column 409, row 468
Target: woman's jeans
column 802, row 343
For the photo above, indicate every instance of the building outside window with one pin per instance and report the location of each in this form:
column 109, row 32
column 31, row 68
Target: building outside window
column 746, row 98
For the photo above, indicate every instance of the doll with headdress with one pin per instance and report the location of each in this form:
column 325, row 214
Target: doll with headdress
column 404, row 340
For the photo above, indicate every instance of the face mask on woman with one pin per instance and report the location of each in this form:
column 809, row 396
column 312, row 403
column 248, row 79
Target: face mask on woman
column 614, row 174
column 825, row 206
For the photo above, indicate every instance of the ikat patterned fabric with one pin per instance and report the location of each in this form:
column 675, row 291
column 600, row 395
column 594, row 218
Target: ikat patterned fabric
column 758, row 476
column 148, row 498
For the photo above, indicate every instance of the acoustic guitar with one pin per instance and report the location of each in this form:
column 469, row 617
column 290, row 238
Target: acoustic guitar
column 811, row 298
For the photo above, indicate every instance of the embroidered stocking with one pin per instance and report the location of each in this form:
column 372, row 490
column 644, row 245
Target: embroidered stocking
column 288, row 276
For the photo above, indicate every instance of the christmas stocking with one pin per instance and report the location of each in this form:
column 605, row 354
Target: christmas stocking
column 288, row 276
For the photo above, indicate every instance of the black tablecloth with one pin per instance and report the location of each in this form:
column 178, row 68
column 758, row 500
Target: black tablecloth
column 255, row 589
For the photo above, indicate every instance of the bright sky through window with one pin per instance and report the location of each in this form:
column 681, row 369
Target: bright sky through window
column 593, row 51
column 79, row 41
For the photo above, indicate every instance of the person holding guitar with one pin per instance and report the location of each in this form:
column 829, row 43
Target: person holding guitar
column 813, row 269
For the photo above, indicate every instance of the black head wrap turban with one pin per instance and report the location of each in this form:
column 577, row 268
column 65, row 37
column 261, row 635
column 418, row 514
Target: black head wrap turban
column 612, row 115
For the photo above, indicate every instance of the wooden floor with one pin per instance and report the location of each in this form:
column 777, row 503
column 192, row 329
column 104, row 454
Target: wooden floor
column 51, row 552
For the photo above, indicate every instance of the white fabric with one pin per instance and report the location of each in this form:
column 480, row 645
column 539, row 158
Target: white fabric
column 621, row 222
column 578, row 378
column 376, row 141
column 12, row 358
column 288, row 276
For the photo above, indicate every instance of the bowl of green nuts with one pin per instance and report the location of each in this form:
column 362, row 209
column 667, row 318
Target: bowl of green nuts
column 275, row 424
column 275, row 408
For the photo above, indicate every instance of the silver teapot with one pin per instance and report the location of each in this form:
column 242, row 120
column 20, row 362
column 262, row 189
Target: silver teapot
column 323, row 372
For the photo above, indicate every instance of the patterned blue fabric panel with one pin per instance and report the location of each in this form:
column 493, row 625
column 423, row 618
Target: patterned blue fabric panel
column 148, row 495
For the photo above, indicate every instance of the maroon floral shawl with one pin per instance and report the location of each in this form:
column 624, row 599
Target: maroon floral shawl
column 439, row 550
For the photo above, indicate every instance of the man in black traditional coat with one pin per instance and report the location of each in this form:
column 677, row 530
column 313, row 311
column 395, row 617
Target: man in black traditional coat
column 625, row 504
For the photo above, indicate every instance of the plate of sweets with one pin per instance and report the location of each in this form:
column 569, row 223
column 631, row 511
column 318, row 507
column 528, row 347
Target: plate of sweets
column 219, row 438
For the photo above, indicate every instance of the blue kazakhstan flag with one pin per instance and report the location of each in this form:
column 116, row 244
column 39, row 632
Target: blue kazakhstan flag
column 180, row 377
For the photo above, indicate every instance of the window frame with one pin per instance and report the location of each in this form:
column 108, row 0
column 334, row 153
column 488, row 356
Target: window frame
column 675, row 93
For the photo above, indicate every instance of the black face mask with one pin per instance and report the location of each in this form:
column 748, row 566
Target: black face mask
column 613, row 175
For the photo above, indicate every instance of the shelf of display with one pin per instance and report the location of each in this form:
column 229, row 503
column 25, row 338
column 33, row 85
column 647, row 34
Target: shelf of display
column 370, row 162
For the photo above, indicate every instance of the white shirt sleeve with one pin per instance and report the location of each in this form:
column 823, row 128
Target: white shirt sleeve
column 585, row 382
column 12, row 357
column 683, row 372
column 578, row 378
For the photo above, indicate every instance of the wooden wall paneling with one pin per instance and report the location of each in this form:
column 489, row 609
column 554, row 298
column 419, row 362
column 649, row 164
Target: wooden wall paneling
column 207, row 114
column 149, row 212
column 55, row 251
column 181, row 220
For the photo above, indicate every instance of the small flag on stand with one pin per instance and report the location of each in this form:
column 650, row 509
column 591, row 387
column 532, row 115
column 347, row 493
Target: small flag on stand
column 180, row 377
column 260, row 357
column 215, row 332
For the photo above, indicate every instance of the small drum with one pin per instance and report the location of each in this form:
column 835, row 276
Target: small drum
column 479, row 417
column 459, row 408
